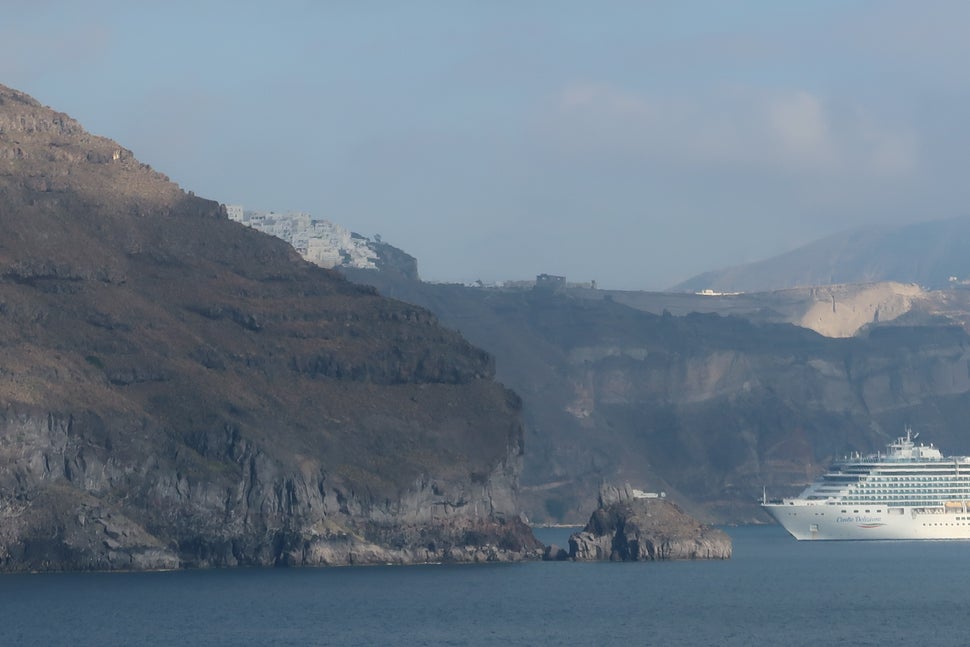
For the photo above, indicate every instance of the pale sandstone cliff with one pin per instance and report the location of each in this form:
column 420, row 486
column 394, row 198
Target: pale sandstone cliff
column 841, row 310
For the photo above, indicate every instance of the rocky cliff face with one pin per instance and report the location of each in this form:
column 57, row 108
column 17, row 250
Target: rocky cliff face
column 73, row 502
column 708, row 408
column 630, row 527
column 177, row 389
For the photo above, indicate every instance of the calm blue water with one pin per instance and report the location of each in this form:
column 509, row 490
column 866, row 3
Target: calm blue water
column 774, row 592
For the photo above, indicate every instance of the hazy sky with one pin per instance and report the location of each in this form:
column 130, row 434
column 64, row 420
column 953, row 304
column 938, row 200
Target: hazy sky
column 635, row 143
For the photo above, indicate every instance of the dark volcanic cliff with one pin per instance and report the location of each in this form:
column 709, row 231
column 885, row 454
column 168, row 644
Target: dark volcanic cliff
column 176, row 389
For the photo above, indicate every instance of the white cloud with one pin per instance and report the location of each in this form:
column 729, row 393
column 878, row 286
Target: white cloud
column 798, row 124
column 606, row 99
column 794, row 130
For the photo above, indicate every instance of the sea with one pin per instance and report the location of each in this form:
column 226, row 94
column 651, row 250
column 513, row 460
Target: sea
column 774, row 591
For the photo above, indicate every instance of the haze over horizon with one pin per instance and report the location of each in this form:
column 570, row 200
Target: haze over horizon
column 636, row 144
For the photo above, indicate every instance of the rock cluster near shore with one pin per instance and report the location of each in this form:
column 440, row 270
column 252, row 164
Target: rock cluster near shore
column 630, row 527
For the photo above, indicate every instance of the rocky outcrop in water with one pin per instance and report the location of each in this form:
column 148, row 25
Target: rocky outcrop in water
column 631, row 527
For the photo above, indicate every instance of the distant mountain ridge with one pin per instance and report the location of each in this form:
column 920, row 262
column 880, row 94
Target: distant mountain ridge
column 930, row 253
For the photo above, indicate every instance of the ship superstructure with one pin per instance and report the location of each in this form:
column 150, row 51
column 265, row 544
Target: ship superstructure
column 909, row 492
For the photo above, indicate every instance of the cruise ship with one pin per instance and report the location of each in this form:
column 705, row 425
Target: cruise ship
column 909, row 492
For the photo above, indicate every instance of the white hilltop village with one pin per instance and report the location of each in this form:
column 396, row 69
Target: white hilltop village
column 319, row 241
column 329, row 245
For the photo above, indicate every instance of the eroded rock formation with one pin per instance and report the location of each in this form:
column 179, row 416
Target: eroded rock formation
column 631, row 527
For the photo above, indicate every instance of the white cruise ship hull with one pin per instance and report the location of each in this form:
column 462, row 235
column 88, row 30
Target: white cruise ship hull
column 811, row 520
